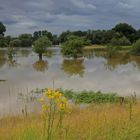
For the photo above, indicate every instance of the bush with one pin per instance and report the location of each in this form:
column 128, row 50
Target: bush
column 123, row 41
column 15, row 43
column 72, row 47
column 136, row 48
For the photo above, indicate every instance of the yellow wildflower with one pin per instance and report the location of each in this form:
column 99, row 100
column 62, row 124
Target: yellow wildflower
column 57, row 94
column 44, row 107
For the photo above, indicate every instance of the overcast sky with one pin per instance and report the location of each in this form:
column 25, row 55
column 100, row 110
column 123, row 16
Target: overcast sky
column 21, row 16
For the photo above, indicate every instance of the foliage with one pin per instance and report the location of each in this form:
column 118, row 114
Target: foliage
column 127, row 30
column 2, row 29
column 90, row 96
column 2, row 41
column 123, row 41
column 15, row 43
column 136, row 48
column 72, row 47
column 38, row 34
column 26, row 40
column 41, row 44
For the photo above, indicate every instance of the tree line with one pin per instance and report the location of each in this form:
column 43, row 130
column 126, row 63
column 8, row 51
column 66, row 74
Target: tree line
column 121, row 34
column 72, row 42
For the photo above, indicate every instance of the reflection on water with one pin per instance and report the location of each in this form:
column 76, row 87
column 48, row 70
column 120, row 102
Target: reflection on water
column 40, row 65
column 73, row 67
column 2, row 58
column 94, row 71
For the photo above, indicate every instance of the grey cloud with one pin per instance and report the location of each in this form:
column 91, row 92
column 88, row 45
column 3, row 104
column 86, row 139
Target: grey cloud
column 59, row 15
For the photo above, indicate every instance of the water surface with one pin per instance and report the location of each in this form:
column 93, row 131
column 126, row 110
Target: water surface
column 94, row 71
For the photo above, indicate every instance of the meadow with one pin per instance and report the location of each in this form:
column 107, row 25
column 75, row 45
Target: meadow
column 102, row 119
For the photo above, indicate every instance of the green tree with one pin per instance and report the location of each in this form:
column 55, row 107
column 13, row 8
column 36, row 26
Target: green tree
column 136, row 48
column 127, row 30
column 98, row 37
column 40, row 45
column 72, row 47
column 2, row 29
column 2, row 41
column 123, row 41
column 64, row 36
column 15, row 43
column 26, row 40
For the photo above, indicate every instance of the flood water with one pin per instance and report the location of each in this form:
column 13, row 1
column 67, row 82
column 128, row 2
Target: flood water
column 24, row 72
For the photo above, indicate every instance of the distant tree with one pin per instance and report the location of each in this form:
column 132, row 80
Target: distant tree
column 136, row 48
column 64, row 36
column 38, row 34
column 2, row 29
column 40, row 45
column 98, row 37
column 55, row 40
column 26, row 40
column 15, row 43
column 127, row 30
column 79, row 33
column 72, row 47
column 2, row 41
column 8, row 39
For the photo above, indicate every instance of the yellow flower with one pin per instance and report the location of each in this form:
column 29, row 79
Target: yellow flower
column 44, row 107
column 57, row 94
column 49, row 93
column 50, row 96
column 62, row 106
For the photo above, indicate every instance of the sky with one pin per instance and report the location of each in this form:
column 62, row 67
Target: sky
column 27, row 16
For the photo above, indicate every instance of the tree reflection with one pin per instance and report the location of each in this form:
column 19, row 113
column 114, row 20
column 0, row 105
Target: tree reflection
column 119, row 59
column 40, row 65
column 136, row 61
column 2, row 57
column 73, row 67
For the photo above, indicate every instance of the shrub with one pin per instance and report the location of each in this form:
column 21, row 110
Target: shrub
column 72, row 47
column 123, row 41
column 136, row 48
column 15, row 43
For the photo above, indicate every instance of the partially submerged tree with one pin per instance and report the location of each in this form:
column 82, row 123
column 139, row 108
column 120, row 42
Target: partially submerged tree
column 40, row 46
column 72, row 47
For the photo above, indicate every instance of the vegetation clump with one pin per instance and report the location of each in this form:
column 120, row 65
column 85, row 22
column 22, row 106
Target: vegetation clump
column 136, row 48
column 72, row 47
column 40, row 46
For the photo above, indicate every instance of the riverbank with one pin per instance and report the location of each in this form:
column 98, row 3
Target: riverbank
column 107, row 121
column 92, row 115
column 103, row 47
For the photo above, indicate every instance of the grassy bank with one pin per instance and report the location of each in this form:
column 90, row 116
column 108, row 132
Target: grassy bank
column 103, row 47
column 96, row 121
column 92, row 115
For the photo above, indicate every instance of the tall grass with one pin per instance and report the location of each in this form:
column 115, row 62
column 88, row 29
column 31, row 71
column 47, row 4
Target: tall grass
column 105, row 121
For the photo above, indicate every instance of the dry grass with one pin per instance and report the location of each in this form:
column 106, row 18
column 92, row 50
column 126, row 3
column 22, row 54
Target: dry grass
column 102, row 47
column 95, row 122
